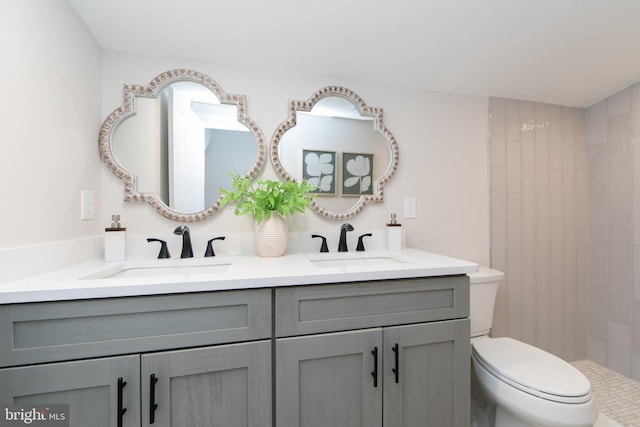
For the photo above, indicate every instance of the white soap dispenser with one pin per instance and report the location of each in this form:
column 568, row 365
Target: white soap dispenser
column 115, row 241
column 395, row 235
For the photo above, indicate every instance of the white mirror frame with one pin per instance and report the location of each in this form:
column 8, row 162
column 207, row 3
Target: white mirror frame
column 375, row 112
column 128, row 108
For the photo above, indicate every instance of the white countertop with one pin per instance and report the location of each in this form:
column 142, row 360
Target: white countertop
column 84, row 281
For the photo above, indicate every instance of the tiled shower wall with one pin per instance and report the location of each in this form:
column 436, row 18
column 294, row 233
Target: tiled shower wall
column 613, row 143
column 539, row 224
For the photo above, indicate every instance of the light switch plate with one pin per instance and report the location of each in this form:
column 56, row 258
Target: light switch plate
column 410, row 207
column 87, row 204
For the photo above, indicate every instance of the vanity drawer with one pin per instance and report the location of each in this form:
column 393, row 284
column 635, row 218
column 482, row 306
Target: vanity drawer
column 65, row 330
column 304, row 310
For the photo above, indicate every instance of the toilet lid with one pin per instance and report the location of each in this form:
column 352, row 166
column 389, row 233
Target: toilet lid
column 532, row 370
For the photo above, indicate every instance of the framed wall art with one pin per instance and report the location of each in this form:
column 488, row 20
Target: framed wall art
column 357, row 174
column 319, row 169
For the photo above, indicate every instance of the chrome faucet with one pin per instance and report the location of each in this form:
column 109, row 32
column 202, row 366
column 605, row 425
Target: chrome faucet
column 342, row 245
column 187, row 251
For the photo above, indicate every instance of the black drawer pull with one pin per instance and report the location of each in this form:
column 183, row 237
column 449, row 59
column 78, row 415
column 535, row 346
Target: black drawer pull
column 152, row 398
column 374, row 374
column 396, row 356
column 121, row 384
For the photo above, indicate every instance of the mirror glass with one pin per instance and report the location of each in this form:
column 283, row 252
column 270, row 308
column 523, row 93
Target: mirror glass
column 337, row 143
column 178, row 143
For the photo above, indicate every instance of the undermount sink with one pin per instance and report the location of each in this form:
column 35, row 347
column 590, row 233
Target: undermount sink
column 155, row 270
column 353, row 260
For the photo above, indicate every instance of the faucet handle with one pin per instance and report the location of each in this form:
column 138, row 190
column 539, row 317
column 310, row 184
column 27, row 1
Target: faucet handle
column 360, row 246
column 164, row 251
column 323, row 246
column 209, row 252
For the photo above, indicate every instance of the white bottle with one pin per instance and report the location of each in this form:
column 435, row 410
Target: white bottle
column 115, row 241
column 395, row 235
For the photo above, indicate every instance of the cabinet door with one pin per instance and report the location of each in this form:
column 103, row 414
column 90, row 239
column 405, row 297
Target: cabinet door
column 433, row 374
column 227, row 385
column 89, row 387
column 326, row 380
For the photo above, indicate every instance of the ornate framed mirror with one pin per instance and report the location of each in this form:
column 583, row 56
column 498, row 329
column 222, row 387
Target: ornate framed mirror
column 175, row 141
column 338, row 143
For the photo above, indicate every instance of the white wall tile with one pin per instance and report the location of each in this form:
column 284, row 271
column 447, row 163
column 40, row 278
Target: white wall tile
column 528, row 146
column 619, row 296
column 619, row 348
column 636, row 327
column 597, row 165
column 542, row 321
column 568, row 169
column 498, row 140
column 596, row 123
column 636, row 272
column 635, row 160
column 555, row 193
column 597, row 292
column 498, row 192
column 514, row 167
column 619, row 245
column 636, row 217
column 542, row 166
column 619, row 103
column 555, row 145
column 635, row 372
column 597, row 217
column 528, row 193
column 527, row 109
column 497, row 106
column 635, row 109
column 569, row 327
column 597, row 351
column 543, row 268
column 513, row 126
column 514, row 219
column 618, row 165
column 529, row 245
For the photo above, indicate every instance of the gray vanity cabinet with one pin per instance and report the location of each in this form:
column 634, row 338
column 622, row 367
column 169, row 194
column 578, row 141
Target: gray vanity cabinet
column 210, row 354
column 215, row 386
column 431, row 387
column 89, row 387
column 417, row 328
column 325, row 380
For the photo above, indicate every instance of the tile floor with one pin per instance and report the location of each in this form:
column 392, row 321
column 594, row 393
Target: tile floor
column 617, row 396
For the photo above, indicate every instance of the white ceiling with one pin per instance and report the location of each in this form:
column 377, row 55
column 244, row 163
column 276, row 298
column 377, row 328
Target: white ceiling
column 567, row 52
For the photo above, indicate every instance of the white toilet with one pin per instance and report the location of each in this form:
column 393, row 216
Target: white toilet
column 529, row 386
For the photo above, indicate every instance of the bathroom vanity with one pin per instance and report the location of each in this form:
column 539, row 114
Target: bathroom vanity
column 288, row 342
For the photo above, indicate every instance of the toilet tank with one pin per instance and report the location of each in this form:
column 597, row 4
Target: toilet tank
column 483, row 291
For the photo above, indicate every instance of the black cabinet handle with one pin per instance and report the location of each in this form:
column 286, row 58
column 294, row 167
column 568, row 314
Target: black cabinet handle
column 152, row 398
column 396, row 356
column 121, row 384
column 374, row 374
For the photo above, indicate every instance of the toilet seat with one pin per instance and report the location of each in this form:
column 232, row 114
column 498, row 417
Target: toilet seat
column 532, row 370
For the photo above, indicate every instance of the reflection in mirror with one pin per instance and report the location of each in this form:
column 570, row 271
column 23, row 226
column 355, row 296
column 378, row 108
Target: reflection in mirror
column 338, row 143
column 175, row 141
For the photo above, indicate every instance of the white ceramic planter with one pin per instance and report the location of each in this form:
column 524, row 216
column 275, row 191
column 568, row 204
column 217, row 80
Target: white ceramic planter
column 271, row 236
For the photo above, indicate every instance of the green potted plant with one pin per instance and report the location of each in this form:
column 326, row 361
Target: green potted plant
column 269, row 203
